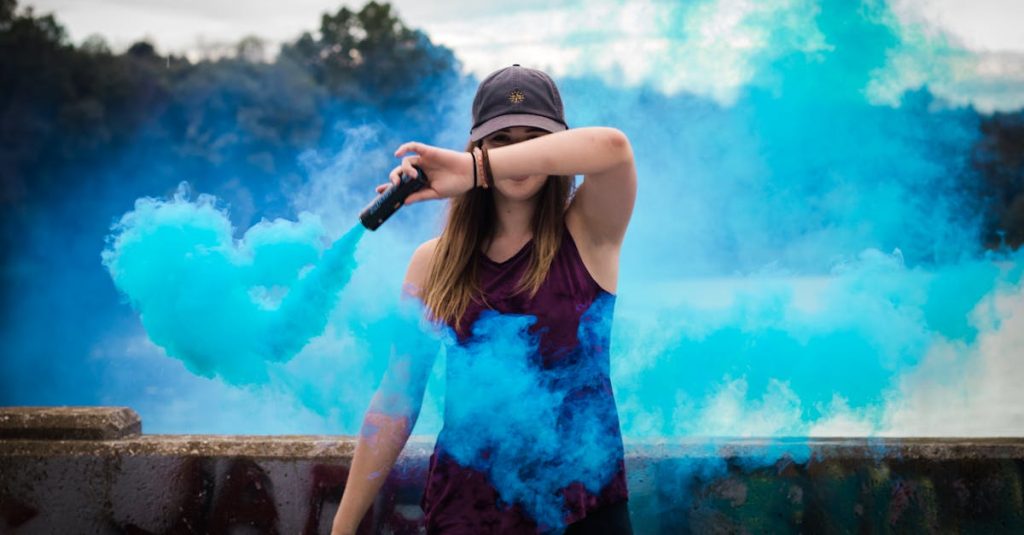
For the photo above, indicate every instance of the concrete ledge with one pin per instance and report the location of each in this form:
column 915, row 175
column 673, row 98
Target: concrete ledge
column 69, row 423
column 149, row 484
column 341, row 447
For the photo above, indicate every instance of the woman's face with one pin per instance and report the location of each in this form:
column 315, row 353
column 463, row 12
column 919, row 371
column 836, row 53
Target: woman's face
column 516, row 188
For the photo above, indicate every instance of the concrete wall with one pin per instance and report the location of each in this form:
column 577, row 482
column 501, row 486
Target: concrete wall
column 91, row 470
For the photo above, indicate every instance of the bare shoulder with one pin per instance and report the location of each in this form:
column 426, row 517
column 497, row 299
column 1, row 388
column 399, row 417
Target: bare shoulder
column 419, row 267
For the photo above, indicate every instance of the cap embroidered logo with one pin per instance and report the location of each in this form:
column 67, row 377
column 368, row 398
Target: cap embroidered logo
column 516, row 96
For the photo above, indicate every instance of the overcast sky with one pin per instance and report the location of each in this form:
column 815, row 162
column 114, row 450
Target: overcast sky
column 619, row 39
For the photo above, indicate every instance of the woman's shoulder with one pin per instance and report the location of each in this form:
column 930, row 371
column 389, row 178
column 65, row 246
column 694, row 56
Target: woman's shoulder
column 419, row 267
column 426, row 249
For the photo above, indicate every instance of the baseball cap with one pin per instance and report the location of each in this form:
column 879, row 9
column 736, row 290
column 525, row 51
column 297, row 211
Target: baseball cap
column 516, row 96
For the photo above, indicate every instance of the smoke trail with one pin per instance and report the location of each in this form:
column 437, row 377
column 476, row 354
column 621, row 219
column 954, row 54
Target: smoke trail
column 223, row 308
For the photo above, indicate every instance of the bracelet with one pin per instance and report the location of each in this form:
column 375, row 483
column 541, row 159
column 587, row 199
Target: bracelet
column 479, row 170
column 488, row 176
column 473, row 154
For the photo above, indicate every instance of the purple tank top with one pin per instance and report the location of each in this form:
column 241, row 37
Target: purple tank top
column 572, row 330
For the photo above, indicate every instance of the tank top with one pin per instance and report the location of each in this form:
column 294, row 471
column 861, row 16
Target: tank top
column 572, row 329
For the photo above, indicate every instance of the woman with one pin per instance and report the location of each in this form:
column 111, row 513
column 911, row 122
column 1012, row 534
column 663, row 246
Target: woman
column 519, row 240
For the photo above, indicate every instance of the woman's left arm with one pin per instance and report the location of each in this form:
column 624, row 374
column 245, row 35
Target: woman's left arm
column 603, row 155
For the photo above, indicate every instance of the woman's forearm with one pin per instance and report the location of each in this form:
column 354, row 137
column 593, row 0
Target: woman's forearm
column 381, row 440
column 578, row 151
column 389, row 420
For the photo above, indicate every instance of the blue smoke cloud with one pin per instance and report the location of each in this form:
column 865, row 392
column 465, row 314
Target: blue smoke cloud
column 221, row 308
column 533, row 429
column 803, row 260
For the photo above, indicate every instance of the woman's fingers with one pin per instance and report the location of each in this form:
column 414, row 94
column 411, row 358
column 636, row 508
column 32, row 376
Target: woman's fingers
column 407, row 164
column 420, row 151
column 396, row 175
column 411, row 146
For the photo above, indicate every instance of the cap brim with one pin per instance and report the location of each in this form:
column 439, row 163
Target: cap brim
column 494, row 124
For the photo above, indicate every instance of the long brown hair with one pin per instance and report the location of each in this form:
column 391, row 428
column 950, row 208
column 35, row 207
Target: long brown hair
column 452, row 279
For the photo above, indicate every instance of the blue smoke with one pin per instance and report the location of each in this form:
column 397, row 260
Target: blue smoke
column 803, row 260
column 223, row 308
column 533, row 429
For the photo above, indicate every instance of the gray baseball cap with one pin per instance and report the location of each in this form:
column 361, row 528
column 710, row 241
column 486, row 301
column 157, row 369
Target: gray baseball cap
column 516, row 96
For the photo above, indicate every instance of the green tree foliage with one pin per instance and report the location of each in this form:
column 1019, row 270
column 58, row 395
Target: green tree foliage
column 371, row 57
column 61, row 105
column 7, row 8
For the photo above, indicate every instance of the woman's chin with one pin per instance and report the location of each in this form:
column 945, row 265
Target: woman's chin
column 519, row 190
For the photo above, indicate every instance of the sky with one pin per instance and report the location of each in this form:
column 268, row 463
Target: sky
column 625, row 41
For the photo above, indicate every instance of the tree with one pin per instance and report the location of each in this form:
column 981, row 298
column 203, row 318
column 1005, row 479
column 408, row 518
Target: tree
column 999, row 158
column 371, row 57
column 252, row 49
column 7, row 8
column 95, row 44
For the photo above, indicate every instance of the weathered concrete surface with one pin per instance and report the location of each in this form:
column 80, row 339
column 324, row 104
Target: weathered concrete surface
column 292, row 484
column 69, row 423
column 829, row 486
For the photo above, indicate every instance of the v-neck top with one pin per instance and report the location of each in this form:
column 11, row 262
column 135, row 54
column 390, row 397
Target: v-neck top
column 572, row 329
column 521, row 252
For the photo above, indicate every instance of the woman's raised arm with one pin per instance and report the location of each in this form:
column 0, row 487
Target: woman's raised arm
column 602, row 154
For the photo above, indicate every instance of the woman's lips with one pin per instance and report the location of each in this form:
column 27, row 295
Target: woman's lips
column 519, row 178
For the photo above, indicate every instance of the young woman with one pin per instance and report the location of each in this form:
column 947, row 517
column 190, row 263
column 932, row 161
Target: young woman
column 519, row 239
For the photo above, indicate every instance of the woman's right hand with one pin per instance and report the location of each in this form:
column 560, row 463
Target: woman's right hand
column 449, row 173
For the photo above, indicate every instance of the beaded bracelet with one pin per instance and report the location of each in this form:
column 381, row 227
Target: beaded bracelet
column 488, row 176
column 479, row 169
column 473, row 154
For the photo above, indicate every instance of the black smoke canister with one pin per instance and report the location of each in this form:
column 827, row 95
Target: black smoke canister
column 391, row 199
